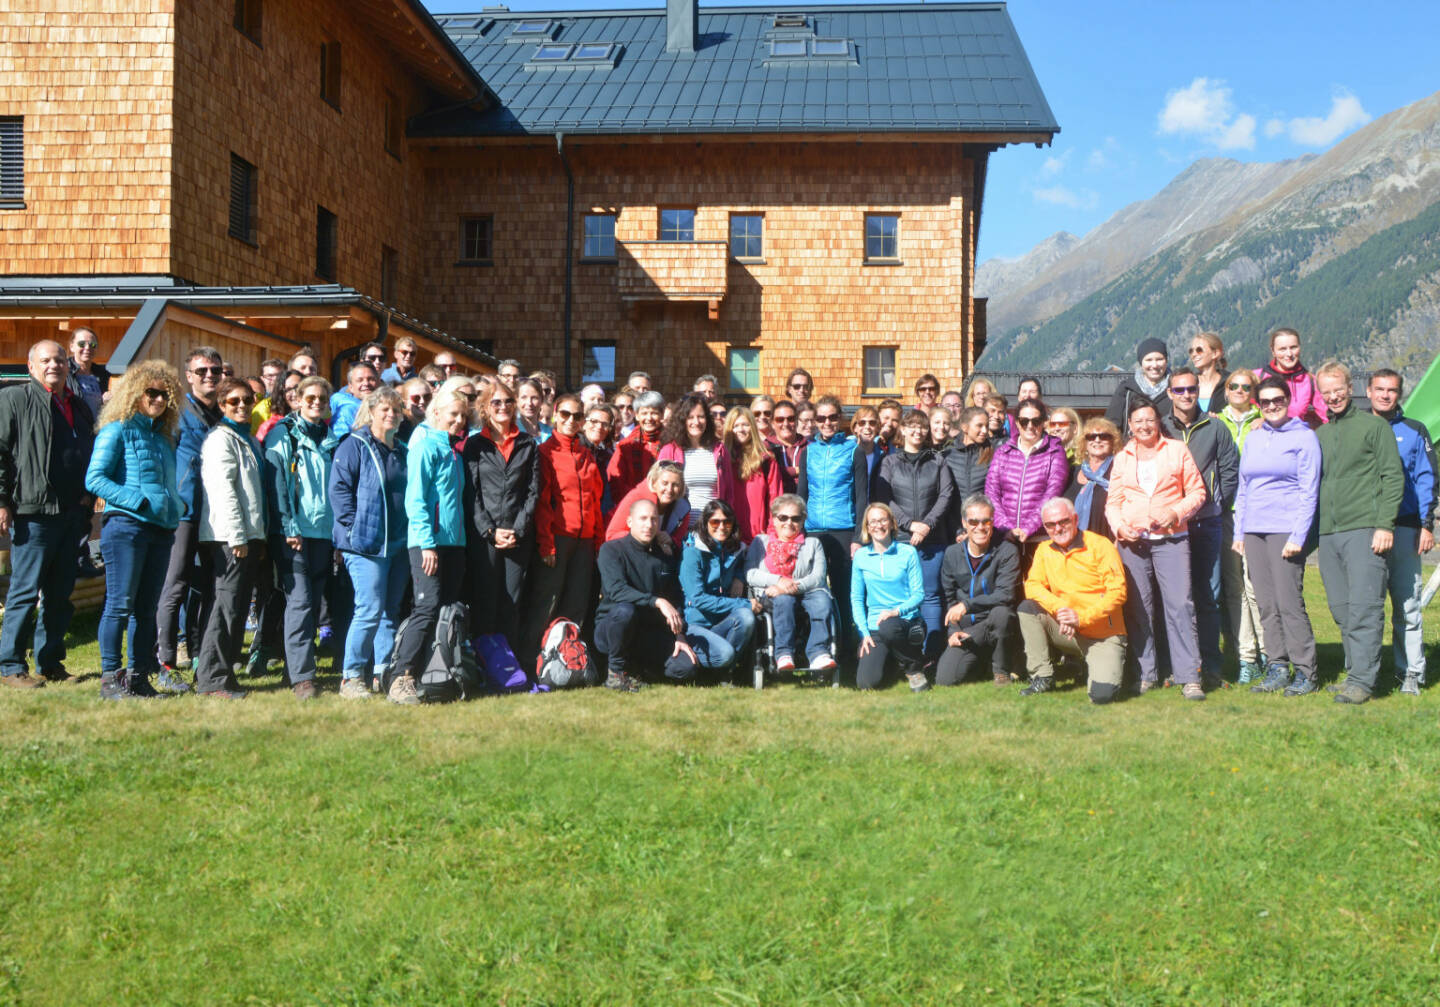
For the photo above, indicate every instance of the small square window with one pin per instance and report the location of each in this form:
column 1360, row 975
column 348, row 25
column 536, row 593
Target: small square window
column 677, row 225
column 327, row 230
column 787, row 47
column 247, row 19
column 477, row 238
column 599, row 236
column 745, row 370
column 882, row 236
column 599, row 362
column 746, row 235
column 330, row 72
column 879, row 369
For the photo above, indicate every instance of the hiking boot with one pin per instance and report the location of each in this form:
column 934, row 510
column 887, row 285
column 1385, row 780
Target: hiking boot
column 1249, row 671
column 1192, row 690
column 139, row 685
column 170, row 680
column 1410, row 687
column 621, row 682
column 402, row 691
column 224, row 692
column 1302, row 686
column 1037, row 686
column 305, row 690
column 24, row 680
column 354, row 688
column 111, row 687
column 1214, row 683
column 1002, row 679
column 1277, row 677
column 918, row 681
column 57, row 674
column 1352, row 694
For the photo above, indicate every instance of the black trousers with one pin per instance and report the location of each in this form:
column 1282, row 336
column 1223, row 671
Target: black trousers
column 992, row 641
column 905, row 638
column 225, row 628
column 638, row 639
column 497, row 584
column 431, row 592
column 189, row 583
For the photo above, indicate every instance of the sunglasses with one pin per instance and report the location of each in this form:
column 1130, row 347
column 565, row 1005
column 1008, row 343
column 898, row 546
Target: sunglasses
column 497, row 403
column 421, row 400
column 404, row 353
column 1185, row 390
column 566, row 414
column 435, row 384
column 1060, row 423
column 1274, row 401
column 85, row 344
column 1029, row 421
column 291, row 390
column 312, row 399
column 1239, row 386
column 827, row 417
column 787, row 420
column 787, row 518
column 1097, row 437
column 214, row 372
column 234, row 401
column 932, row 389
column 1198, row 349
column 976, row 522
column 467, row 396
column 156, row 394
column 374, row 358
column 717, row 414
column 1057, row 525
column 800, row 388
column 719, row 522
column 863, row 423
column 763, row 412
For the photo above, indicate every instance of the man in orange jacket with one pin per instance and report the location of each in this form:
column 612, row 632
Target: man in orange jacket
column 1074, row 601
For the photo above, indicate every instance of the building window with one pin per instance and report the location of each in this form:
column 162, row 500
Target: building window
column 247, row 19
column 330, row 72
column 242, row 199
column 879, row 369
column 477, row 238
column 677, row 225
column 327, row 228
column 394, row 125
column 882, row 236
column 599, row 362
column 746, row 231
column 12, row 161
column 599, row 236
column 389, row 273
column 745, row 370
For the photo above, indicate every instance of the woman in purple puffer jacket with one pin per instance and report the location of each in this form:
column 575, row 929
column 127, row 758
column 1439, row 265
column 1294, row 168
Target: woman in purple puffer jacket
column 1024, row 473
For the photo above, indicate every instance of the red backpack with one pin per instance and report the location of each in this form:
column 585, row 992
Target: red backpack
column 564, row 660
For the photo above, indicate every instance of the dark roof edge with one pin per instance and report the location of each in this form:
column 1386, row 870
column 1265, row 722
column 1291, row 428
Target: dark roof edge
column 1027, row 134
column 761, row 10
column 447, row 43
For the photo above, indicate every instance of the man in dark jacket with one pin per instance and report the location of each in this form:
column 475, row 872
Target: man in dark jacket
column 1218, row 460
column 46, row 434
column 979, row 585
column 639, row 625
column 1361, row 486
column 1148, row 383
column 187, row 583
column 1414, row 528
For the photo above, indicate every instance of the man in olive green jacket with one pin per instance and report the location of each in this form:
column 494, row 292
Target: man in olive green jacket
column 1361, row 485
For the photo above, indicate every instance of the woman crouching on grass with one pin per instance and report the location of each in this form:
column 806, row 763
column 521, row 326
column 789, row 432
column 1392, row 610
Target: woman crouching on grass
column 132, row 468
column 886, row 591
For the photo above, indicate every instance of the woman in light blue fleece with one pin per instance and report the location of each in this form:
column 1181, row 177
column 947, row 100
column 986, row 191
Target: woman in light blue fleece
column 886, row 589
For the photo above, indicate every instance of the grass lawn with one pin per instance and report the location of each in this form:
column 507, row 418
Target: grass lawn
column 722, row 846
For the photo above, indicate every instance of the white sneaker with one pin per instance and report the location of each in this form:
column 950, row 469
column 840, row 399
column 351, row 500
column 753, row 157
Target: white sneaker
column 822, row 662
column 786, row 663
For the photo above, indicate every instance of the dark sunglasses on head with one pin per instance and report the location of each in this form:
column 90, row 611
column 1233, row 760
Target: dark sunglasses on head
column 156, row 394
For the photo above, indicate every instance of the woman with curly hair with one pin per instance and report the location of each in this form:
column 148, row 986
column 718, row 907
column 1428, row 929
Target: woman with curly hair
column 756, row 473
column 132, row 468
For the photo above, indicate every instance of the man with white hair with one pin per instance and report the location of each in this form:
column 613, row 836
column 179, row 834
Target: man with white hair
column 591, row 395
column 46, row 435
column 1074, row 604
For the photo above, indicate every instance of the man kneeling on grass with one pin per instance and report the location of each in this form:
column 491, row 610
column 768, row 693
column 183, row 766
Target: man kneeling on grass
column 638, row 625
column 1075, row 594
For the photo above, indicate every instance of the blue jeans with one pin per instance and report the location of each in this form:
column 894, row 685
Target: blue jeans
column 932, row 557
column 42, row 562
column 717, row 644
column 302, row 576
column 817, row 606
column 379, row 589
column 136, row 554
column 1205, row 548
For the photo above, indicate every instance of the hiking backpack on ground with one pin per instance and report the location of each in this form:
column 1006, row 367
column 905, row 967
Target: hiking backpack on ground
column 564, row 660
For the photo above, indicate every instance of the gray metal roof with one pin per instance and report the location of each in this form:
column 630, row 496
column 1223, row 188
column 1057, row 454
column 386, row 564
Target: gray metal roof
column 956, row 67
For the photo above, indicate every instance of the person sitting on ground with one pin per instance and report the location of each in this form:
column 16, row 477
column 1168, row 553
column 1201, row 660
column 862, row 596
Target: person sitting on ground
column 886, row 591
column 719, row 616
column 638, row 625
column 787, row 570
column 979, row 583
column 1074, row 602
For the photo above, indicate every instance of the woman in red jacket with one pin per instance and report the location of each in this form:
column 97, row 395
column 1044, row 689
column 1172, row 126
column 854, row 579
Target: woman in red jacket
column 755, row 474
column 568, row 527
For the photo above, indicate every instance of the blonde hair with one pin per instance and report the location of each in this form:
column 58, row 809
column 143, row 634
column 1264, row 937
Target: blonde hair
column 1075, row 445
column 367, row 405
column 125, row 392
column 978, row 383
column 751, row 456
column 865, row 520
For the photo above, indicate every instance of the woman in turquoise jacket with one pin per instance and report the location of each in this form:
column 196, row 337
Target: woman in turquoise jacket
column 297, row 472
column 886, row 589
column 719, row 615
column 434, row 504
column 132, row 468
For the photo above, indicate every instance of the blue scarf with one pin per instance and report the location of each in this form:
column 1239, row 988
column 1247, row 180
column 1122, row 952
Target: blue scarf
column 1086, row 497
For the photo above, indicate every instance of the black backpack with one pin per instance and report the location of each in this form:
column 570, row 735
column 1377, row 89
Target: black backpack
column 451, row 672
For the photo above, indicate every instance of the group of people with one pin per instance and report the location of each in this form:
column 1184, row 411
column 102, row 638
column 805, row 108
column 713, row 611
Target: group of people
column 933, row 542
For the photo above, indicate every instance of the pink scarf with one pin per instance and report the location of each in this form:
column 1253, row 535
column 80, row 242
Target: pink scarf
column 780, row 556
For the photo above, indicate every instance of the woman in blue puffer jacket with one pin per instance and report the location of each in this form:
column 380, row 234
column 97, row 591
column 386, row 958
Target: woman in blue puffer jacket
column 132, row 468
column 719, row 616
column 367, row 494
column 827, row 485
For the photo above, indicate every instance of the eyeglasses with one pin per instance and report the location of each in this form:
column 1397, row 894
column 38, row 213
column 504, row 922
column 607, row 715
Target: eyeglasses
column 85, row 344
column 291, row 390
column 827, row 417
column 498, row 403
column 156, row 394
column 404, row 353
column 862, row 423
column 374, row 358
column 1184, row 389
column 467, row 396
column 566, row 414
column 786, row 420
column 1239, row 386
column 1057, row 525
column 976, row 522
column 928, row 388
column 719, row 522
column 1274, row 402
column 237, row 401
column 1097, row 437
column 1199, row 348
column 214, row 372
column 762, row 412
column 717, row 414
column 1029, row 421
column 435, row 384
column 787, row 518
column 1062, row 422
column 312, row 399
column 800, row 387
column 421, row 400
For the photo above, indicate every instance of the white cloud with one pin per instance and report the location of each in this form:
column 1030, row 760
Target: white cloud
column 1054, row 165
column 1346, row 113
column 1060, row 195
column 1204, row 109
column 1274, row 128
column 1097, row 160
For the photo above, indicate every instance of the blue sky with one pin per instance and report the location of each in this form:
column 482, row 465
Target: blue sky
column 1142, row 89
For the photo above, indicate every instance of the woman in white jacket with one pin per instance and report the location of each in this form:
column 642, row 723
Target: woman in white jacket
column 232, row 526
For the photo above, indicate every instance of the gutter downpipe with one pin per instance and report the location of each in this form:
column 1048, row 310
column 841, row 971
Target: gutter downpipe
column 569, row 241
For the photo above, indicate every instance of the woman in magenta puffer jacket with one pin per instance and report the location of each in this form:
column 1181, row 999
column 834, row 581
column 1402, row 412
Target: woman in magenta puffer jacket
column 1024, row 473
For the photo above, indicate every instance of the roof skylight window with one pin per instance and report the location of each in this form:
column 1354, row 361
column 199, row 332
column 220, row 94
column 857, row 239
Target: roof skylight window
column 787, row 47
column 552, row 52
column 534, row 26
column 791, row 21
column 831, row 47
column 593, row 50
